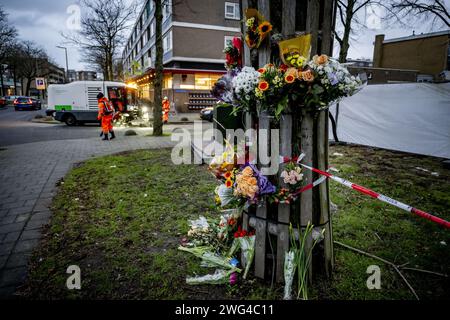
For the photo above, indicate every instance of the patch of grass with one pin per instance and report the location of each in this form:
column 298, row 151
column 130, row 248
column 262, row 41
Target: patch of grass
column 120, row 218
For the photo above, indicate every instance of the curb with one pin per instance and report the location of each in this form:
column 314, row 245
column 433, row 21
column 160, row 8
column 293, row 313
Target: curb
column 46, row 122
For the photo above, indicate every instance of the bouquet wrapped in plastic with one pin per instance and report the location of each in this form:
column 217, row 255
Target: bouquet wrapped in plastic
column 218, row 277
column 257, row 28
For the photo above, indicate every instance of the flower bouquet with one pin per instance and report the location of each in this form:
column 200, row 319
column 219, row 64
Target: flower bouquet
column 295, row 52
column 233, row 54
column 257, row 28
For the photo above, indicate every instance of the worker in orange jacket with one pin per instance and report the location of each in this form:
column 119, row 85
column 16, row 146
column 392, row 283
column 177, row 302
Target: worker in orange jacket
column 165, row 109
column 105, row 114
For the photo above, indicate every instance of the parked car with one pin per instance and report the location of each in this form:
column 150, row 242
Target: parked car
column 3, row 102
column 207, row 114
column 10, row 100
column 27, row 103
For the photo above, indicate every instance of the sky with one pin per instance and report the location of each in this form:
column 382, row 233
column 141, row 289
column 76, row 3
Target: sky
column 43, row 21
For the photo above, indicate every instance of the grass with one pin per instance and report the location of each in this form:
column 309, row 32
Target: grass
column 121, row 218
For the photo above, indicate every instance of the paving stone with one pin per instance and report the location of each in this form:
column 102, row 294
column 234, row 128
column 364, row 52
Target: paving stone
column 31, row 234
column 36, row 224
column 6, row 248
column 7, row 220
column 30, row 202
column 18, row 260
column 23, row 217
column 7, row 228
column 7, row 291
column 26, row 245
column 12, row 237
column 13, row 205
column 3, row 259
column 21, row 210
column 13, row 277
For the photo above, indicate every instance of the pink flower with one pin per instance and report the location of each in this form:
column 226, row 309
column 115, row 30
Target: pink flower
column 233, row 279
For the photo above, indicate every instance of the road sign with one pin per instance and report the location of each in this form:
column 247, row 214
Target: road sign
column 40, row 83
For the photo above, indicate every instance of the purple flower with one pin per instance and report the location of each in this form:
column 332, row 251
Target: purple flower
column 233, row 278
column 223, row 89
column 333, row 78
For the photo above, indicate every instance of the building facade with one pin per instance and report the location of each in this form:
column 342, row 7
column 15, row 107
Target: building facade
column 428, row 54
column 87, row 76
column 195, row 33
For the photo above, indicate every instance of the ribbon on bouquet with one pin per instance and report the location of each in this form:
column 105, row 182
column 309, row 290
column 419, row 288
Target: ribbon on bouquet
column 369, row 192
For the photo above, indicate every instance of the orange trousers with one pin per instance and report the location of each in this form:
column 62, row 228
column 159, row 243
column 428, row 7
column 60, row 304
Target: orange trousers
column 107, row 123
column 165, row 116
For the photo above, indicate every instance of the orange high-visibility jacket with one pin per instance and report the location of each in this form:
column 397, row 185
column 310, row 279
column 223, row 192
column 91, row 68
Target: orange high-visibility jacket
column 105, row 108
column 166, row 106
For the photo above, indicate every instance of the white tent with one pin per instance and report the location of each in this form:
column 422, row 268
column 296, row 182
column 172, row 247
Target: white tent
column 412, row 117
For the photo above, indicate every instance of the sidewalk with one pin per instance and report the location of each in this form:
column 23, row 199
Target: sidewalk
column 28, row 177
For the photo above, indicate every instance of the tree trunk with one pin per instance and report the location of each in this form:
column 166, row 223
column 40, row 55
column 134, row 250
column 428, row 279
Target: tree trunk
column 157, row 108
column 347, row 29
column 1, row 79
column 14, row 80
column 27, row 91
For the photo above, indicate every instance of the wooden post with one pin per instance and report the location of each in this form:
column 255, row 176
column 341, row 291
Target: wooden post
column 323, row 145
column 264, row 124
column 284, row 210
column 261, row 210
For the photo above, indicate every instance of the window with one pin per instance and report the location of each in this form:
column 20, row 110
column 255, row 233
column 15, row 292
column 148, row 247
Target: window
column 232, row 11
column 167, row 10
column 152, row 29
column 167, row 42
column 228, row 40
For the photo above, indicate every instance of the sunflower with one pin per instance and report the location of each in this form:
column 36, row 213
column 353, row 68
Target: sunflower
column 265, row 27
column 263, row 85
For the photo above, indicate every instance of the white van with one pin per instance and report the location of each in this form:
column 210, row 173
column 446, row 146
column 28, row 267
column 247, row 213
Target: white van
column 76, row 102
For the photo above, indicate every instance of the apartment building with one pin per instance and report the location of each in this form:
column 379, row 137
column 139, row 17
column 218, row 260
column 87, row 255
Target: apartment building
column 195, row 33
column 428, row 54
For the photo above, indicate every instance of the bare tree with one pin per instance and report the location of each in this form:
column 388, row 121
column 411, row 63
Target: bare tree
column 425, row 10
column 29, row 61
column 348, row 15
column 102, row 33
column 157, row 85
column 8, row 35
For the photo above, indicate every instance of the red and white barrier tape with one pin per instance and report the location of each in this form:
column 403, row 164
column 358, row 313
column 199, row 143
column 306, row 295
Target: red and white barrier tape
column 371, row 193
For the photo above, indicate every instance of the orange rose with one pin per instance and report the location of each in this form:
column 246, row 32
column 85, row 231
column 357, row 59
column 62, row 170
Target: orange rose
column 263, row 85
column 292, row 72
column 307, row 76
column 322, row 59
column 289, row 78
column 247, row 172
column 261, row 70
column 229, row 184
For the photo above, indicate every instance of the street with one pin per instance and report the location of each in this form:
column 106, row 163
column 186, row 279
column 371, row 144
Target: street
column 33, row 158
column 16, row 128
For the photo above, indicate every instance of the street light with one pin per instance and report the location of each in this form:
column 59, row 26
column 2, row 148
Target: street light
column 67, row 63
